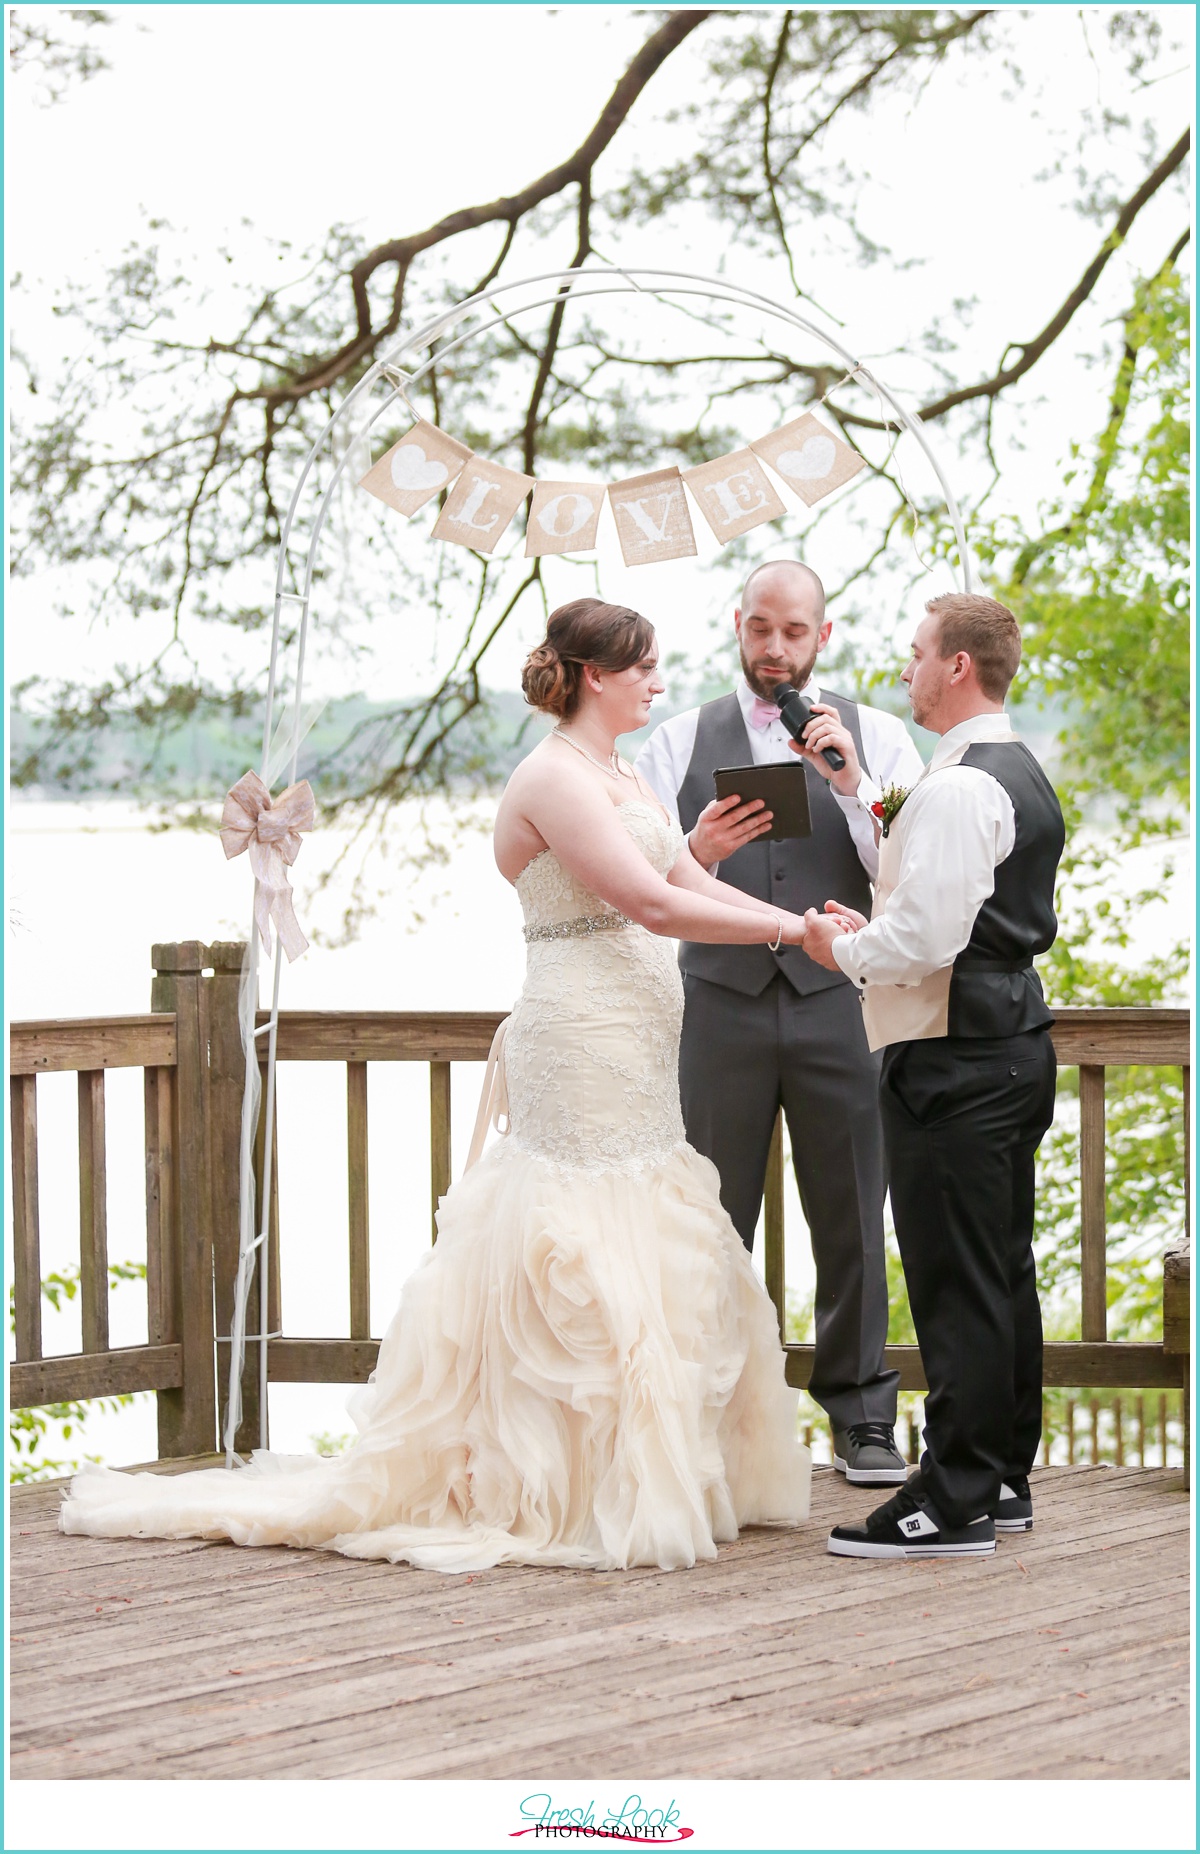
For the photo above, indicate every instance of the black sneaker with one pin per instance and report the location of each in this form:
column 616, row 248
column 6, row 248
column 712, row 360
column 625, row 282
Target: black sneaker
column 867, row 1455
column 910, row 1526
column 1013, row 1511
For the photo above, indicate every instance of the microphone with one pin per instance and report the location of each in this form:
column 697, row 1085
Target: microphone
column 796, row 711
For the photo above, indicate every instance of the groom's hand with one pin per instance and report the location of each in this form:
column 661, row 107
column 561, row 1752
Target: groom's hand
column 725, row 826
column 821, row 930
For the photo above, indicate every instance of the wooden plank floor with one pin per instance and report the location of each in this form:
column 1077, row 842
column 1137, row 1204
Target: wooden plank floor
column 1066, row 1655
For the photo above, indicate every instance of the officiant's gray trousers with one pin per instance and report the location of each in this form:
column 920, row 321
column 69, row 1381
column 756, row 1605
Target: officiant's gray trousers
column 742, row 1058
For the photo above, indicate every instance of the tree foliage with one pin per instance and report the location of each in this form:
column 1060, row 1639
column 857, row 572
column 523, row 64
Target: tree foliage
column 151, row 480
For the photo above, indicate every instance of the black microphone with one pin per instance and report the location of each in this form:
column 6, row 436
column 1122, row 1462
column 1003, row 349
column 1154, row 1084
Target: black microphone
column 796, row 711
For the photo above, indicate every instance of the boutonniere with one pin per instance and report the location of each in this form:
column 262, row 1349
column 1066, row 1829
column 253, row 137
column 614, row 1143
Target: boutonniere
column 887, row 809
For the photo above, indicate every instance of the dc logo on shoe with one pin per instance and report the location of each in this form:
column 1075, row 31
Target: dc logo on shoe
column 911, row 1525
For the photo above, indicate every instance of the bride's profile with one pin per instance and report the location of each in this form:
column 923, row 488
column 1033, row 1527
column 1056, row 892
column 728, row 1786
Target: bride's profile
column 585, row 1370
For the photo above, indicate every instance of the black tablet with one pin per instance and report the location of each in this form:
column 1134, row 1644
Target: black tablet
column 784, row 790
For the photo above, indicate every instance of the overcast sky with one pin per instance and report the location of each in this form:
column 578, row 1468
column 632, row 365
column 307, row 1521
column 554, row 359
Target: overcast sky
column 294, row 116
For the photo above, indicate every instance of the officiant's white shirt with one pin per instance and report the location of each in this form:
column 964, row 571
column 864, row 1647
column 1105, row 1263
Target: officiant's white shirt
column 958, row 827
column 887, row 749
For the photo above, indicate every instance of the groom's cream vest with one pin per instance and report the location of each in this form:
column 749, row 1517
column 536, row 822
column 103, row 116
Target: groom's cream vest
column 991, row 988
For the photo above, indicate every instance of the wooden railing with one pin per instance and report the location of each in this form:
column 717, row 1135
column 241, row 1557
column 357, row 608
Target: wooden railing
column 189, row 1049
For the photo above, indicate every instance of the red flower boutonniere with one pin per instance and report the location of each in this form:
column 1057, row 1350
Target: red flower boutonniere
column 887, row 808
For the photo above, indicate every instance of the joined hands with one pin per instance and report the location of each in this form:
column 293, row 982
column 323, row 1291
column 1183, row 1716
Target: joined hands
column 821, row 930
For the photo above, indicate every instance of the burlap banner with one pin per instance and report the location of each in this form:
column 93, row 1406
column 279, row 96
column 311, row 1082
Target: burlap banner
column 562, row 517
column 481, row 505
column 652, row 517
column 808, row 457
column 734, row 493
column 424, row 461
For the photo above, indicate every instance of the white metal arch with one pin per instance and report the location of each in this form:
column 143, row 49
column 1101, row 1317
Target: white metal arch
column 519, row 297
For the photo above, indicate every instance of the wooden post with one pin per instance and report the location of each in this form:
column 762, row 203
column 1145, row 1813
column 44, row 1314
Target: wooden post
column 773, row 1256
column 225, row 1085
column 27, row 1251
column 1162, row 1426
column 1070, row 1432
column 187, row 1418
column 1095, row 1413
column 439, row 1137
column 1187, row 1149
column 359, row 1206
column 1141, row 1431
column 163, row 1306
column 1119, row 1444
column 1093, row 1261
column 914, row 1440
column 93, row 1212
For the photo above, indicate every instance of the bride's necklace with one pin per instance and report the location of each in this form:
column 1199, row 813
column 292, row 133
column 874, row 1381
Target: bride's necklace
column 613, row 768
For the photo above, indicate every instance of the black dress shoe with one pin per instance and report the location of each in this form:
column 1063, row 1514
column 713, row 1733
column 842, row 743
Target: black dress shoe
column 1013, row 1511
column 910, row 1526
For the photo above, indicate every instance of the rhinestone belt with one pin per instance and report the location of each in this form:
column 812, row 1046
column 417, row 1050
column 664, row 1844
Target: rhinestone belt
column 575, row 930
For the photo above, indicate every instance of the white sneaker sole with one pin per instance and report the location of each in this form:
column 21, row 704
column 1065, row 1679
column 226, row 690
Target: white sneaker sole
column 1013, row 1525
column 850, row 1548
column 871, row 1477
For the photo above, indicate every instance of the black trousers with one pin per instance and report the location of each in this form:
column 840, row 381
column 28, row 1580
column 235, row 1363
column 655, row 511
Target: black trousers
column 740, row 1059
column 962, row 1119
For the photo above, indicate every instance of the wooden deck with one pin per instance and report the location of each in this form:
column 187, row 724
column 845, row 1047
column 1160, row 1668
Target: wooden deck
column 1064, row 1656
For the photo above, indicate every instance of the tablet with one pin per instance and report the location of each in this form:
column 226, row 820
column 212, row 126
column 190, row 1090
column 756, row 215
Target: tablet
column 784, row 790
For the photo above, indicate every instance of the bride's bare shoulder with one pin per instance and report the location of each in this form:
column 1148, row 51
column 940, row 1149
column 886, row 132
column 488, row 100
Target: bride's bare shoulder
column 534, row 791
column 548, row 770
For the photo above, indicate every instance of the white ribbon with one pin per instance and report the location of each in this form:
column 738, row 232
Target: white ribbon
column 270, row 829
column 493, row 1097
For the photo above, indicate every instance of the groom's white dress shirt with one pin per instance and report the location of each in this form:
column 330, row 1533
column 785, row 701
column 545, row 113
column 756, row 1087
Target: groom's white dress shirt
column 887, row 749
column 937, row 868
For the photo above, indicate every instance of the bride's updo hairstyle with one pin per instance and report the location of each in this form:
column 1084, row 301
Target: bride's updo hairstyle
column 609, row 637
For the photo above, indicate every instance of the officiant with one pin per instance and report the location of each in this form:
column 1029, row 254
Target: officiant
column 764, row 1029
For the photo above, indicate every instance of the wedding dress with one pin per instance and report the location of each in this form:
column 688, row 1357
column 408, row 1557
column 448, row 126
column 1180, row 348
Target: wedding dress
column 585, row 1370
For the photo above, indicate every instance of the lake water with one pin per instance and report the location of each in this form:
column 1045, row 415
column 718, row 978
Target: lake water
column 91, row 888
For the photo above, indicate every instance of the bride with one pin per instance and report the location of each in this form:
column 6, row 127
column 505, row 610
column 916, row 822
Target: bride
column 585, row 1370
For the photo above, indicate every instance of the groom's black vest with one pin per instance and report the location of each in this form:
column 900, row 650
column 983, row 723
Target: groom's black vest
column 994, row 990
column 800, row 873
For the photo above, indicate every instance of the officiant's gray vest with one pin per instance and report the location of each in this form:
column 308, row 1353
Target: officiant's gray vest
column 803, row 872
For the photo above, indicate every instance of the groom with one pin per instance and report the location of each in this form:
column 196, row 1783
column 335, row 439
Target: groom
column 963, row 904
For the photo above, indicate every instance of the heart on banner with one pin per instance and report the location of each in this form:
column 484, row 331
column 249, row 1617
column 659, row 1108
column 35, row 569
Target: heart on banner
column 422, row 462
column 809, row 458
column 411, row 469
column 814, row 460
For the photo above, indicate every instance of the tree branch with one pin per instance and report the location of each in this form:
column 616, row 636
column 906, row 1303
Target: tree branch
column 1031, row 351
column 401, row 251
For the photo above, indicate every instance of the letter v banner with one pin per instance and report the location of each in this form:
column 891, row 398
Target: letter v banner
column 652, row 517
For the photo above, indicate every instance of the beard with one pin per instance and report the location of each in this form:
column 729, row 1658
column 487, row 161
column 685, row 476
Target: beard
column 796, row 671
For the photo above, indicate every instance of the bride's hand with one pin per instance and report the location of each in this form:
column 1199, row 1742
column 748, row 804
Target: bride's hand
column 794, row 929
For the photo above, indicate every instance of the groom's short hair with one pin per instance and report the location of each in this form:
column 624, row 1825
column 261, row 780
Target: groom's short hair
column 986, row 630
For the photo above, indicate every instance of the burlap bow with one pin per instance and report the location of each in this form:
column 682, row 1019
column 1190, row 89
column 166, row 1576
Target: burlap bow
column 270, row 829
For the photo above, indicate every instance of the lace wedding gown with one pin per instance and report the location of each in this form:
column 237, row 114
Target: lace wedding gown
column 585, row 1370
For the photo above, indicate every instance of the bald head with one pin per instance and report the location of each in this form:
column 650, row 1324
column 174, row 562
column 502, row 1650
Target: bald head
column 781, row 625
column 785, row 575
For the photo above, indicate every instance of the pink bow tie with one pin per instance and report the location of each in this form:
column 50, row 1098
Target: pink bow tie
column 763, row 713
